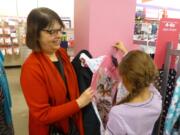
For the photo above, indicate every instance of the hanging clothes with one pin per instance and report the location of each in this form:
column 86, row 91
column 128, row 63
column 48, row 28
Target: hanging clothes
column 169, row 94
column 6, row 125
column 92, row 63
column 173, row 112
column 154, row 29
column 105, row 83
column 84, row 75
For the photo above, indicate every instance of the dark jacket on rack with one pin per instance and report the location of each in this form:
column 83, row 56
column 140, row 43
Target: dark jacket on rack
column 84, row 75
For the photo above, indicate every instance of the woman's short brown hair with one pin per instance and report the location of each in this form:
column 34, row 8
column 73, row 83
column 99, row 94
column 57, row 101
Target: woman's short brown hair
column 139, row 70
column 38, row 19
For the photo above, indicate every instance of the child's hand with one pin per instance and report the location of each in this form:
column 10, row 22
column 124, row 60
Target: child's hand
column 120, row 46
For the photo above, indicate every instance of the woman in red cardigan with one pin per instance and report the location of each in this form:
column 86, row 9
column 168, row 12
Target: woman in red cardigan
column 48, row 79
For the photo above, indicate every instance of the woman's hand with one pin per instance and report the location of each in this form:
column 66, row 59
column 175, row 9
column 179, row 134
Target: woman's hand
column 85, row 98
column 120, row 46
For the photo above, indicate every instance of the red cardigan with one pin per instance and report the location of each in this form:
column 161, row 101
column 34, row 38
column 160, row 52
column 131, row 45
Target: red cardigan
column 41, row 84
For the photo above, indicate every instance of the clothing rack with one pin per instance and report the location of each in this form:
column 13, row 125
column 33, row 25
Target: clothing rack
column 169, row 53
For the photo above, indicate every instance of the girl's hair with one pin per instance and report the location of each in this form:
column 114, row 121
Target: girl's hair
column 139, row 70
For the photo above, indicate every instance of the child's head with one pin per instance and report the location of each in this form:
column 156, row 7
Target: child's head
column 138, row 71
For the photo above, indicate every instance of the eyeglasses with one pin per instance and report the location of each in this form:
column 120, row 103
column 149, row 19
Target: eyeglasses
column 53, row 31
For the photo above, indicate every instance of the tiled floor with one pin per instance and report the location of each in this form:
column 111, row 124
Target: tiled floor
column 19, row 109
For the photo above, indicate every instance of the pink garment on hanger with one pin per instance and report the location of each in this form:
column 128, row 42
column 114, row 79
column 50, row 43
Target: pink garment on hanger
column 105, row 83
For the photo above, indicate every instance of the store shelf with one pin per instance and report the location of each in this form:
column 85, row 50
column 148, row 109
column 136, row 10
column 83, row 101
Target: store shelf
column 144, row 42
column 15, row 60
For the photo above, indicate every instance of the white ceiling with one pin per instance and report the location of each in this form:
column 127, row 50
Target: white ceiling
column 175, row 4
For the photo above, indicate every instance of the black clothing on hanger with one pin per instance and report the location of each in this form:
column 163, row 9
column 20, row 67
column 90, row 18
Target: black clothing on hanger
column 84, row 76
